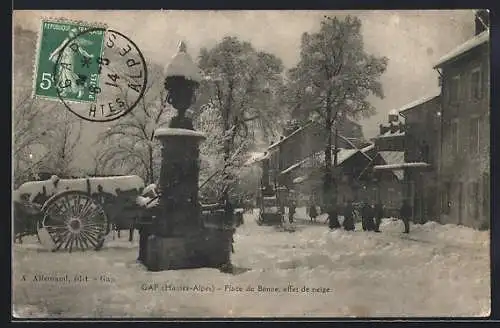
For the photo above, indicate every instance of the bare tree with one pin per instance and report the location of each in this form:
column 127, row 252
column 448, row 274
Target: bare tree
column 62, row 141
column 129, row 144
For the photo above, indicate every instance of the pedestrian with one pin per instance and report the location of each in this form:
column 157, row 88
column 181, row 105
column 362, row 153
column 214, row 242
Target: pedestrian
column 228, row 210
column 348, row 216
column 379, row 214
column 333, row 218
column 291, row 208
column 367, row 217
column 313, row 213
column 405, row 214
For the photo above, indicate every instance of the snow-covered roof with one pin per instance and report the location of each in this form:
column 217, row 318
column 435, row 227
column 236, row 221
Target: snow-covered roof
column 343, row 155
column 367, row 148
column 417, row 102
column 290, row 135
column 182, row 65
column 393, row 158
column 396, row 162
column 390, row 134
column 178, row 132
column 464, row 47
column 255, row 157
column 396, row 159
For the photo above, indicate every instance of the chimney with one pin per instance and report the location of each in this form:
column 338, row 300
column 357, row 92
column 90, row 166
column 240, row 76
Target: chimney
column 382, row 129
column 393, row 116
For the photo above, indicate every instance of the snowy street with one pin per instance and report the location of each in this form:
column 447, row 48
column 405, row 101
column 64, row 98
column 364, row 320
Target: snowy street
column 436, row 270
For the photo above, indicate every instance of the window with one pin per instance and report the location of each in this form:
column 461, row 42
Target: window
column 476, row 84
column 474, row 135
column 454, row 136
column 454, row 89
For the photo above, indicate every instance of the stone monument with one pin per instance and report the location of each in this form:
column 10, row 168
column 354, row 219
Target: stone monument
column 179, row 236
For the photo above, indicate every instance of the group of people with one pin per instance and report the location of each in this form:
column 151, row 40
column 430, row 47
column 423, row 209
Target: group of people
column 371, row 216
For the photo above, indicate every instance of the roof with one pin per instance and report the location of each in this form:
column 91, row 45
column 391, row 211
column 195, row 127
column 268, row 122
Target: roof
column 417, row 103
column 464, row 47
column 342, row 156
column 290, row 135
column 308, row 124
column 393, row 158
column 255, row 157
column 390, row 134
column 368, row 148
column 395, row 162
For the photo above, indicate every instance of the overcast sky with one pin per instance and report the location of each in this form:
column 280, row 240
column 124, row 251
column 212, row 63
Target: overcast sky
column 412, row 40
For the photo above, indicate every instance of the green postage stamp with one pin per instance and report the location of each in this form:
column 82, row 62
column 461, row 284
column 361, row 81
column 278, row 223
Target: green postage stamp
column 67, row 62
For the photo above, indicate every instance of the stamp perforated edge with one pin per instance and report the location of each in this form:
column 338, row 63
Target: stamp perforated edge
column 39, row 42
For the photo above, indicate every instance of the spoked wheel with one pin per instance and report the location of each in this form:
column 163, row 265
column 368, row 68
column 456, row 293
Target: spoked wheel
column 74, row 221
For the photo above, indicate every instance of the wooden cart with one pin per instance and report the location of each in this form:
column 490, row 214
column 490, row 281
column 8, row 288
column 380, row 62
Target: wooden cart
column 75, row 214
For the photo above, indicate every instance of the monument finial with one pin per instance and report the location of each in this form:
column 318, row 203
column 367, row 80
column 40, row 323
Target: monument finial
column 182, row 46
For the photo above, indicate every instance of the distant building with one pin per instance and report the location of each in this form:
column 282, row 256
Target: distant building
column 464, row 170
column 297, row 162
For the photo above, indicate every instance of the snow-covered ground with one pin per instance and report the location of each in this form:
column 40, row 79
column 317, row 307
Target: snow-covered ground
column 436, row 270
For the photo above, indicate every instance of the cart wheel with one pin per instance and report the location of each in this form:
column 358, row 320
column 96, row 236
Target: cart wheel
column 74, row 220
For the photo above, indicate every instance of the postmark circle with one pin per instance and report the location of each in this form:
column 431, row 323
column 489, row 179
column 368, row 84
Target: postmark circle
column 100, row 87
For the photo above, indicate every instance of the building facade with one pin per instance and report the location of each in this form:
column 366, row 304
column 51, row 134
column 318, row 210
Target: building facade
column 422, row 121
column 464, row 170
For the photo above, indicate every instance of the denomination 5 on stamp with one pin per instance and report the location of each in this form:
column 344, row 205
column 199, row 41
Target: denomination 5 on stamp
column 58, row 42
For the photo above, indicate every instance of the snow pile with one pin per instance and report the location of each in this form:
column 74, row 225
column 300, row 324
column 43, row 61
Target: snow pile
column 147, row 201
column 182, row 65
column 436, row 270
column 55, row 185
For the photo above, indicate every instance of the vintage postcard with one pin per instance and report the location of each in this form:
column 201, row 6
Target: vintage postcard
column 250, row 164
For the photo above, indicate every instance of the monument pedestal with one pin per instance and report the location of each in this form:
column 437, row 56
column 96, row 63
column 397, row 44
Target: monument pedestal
column 180, row 237
column 207, row 248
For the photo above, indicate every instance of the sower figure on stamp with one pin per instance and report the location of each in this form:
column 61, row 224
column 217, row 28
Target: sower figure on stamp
column 67, row 79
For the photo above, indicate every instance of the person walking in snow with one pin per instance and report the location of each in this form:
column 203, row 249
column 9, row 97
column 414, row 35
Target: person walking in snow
column 313, row 213
column 367, row 217
column 379, row 214
column 405, row 214
column 348, row 223
column 291, row 207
